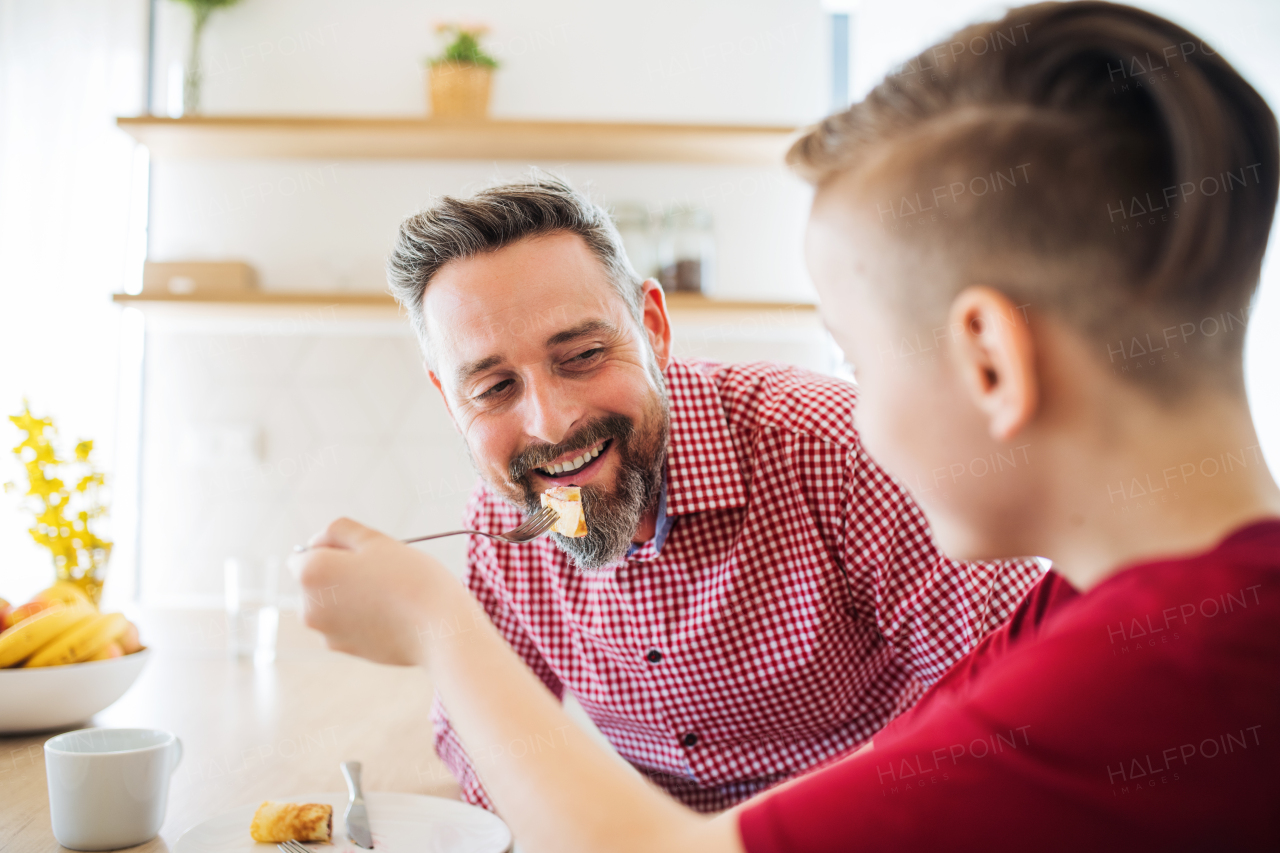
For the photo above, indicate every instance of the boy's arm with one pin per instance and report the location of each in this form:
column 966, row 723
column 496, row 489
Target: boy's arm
column 563, row 793
column 480, row 563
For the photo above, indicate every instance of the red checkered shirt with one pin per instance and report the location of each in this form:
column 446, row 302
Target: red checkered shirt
column 797, row 605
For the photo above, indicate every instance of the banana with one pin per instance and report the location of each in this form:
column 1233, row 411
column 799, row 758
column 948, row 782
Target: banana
column 25, row 611
column 80, row 642
column 21, row 640
column 64, row 591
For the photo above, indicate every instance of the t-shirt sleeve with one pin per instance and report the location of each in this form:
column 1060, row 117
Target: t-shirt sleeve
column 931, row 609
column 482, row 564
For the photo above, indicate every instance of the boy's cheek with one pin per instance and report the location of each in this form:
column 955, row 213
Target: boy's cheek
column 952, row 532
column 914, row 429
column 885, row 424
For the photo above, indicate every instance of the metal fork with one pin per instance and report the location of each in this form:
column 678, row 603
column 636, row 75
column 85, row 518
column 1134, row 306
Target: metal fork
column 293, row 847
column 534, row 526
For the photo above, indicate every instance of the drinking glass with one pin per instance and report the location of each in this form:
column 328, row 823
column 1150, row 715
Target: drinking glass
column 252, row 604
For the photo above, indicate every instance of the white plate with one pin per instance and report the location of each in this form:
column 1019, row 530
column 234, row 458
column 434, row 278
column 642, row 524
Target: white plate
column 401, row 823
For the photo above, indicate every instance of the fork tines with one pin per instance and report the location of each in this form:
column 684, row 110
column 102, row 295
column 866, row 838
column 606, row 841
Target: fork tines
column 294, row 847
column 537, row 524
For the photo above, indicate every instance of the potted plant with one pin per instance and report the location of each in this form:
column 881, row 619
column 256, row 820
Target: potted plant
column 65, row 497
column 191, row 80
column 460, row 79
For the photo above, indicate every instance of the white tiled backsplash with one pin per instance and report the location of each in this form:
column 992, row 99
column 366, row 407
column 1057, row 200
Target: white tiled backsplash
column 256, row 437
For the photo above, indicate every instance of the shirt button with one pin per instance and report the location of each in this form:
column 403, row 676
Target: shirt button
column 654, row 656
column 690, row 739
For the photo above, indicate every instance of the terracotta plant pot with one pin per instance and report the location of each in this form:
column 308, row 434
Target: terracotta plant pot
column 459, row 89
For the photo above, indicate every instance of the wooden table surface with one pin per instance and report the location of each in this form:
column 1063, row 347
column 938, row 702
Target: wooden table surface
column 250, row 733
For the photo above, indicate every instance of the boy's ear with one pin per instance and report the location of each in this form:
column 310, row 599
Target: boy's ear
column 995, row 355
column 435, row 380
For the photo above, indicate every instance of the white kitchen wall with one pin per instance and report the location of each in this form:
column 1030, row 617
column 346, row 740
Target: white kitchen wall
column 328, row 225
column 761, row 61
column 259, row 431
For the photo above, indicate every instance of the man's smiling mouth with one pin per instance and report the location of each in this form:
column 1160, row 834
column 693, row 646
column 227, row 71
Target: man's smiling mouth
column 575, row 463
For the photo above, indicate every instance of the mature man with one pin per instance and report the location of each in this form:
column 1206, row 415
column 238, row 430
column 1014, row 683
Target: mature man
column 754, row 595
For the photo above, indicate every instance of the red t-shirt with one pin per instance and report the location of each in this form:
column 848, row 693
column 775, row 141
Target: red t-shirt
column 1142, row 715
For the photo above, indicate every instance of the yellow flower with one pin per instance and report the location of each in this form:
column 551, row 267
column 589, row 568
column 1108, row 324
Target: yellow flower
column 62, row 516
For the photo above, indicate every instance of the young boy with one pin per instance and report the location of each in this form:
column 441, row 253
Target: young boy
column 1059, row 209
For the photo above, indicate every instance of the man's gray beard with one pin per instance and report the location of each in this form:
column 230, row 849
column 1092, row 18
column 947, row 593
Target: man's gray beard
column 612, row 519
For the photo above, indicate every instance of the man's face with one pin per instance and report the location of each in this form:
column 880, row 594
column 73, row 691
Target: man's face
column 551, row 382
column 914, row 415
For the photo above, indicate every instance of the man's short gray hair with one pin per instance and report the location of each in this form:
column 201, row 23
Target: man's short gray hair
column 503, row 214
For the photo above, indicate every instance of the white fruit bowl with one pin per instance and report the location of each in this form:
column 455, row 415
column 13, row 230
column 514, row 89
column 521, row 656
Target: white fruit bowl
column 53, row 697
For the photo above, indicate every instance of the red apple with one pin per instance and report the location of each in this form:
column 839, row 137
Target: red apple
column 129, row 641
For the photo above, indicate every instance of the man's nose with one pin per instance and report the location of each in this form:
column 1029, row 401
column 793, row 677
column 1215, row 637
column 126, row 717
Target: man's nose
column 551, row 410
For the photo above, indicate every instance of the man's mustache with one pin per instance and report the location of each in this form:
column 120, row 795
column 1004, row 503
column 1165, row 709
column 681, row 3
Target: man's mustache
column 615, row 426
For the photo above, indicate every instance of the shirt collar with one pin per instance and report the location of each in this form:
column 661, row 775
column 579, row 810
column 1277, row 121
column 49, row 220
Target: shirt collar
column 703, row 472
column 662, row 527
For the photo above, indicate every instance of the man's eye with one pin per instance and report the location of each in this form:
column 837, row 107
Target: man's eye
column 495, row 390
column 582, row 357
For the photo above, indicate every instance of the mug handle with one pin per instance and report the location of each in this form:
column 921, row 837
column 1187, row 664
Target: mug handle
column 177, row 741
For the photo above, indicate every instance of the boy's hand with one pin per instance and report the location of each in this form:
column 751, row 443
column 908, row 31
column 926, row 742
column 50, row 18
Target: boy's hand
column 369, row 594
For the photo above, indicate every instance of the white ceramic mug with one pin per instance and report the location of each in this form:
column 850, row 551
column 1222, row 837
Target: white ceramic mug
column 108, row 788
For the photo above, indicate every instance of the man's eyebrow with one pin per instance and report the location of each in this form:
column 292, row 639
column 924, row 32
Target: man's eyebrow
column 467, row 371
column 589, row 327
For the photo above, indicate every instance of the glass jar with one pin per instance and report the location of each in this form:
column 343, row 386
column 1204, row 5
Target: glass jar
column 687, row 251
column 636, row 226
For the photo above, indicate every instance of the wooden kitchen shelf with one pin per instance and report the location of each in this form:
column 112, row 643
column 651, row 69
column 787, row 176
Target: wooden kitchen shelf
column 438, row 139
column 263, row 298
column 675, row 301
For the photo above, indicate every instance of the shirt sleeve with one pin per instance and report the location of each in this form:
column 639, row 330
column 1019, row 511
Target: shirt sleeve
column 931, row 609
column 481, row 562
column 1045, row 598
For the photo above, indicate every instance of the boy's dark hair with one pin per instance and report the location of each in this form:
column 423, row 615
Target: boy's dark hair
column 503, row 214
column 1095, row 160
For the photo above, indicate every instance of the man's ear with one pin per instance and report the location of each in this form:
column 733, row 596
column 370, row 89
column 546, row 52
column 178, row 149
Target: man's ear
column 995, row 354
column 656, row 323
column 435, row 380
